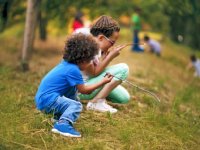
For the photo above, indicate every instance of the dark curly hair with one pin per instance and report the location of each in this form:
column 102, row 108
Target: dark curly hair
column 104, row 25
column 146, row 38
column 80, row 48
column 193, row 58
column 78, row 16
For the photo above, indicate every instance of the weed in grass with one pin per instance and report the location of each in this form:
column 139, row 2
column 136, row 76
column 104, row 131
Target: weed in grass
column 87, row 130
column 126, row 133
column 111, row 119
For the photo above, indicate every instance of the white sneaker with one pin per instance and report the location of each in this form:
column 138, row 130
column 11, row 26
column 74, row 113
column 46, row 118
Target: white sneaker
column 101, row 106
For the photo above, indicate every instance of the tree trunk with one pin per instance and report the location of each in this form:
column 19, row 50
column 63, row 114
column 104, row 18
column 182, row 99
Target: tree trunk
column 29, row 33
column 4, row 14
column 42, row 26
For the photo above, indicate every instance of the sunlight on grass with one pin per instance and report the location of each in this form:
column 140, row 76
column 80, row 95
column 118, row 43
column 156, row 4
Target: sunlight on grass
column 14, row 31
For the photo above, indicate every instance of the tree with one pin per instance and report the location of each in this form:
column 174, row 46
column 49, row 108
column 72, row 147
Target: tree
column 4, row 9
column 29, row 33
column 185, row 21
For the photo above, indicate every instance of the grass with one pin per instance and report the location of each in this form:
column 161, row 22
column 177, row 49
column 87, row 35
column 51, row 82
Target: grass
column 141, row 124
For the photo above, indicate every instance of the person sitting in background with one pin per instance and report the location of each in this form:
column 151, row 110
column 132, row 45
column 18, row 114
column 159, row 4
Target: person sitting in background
column 57, row 92
column 194, row 62
column 154, row 46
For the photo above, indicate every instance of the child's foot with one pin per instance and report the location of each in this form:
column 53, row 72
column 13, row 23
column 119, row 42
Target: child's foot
column 66, row 129
column 101, row 106
column 137, row 49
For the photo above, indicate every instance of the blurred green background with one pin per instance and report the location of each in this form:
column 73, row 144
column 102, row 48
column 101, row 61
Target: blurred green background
column 180, row 18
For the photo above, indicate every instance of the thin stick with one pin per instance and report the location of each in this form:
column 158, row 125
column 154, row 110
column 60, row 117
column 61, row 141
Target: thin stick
column 142, row 89
column 129, row 44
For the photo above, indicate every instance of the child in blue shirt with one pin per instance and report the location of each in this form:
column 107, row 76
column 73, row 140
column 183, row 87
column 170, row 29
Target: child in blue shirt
column 57, row 91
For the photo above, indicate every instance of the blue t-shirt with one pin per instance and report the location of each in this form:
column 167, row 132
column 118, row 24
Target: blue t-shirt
column 60, row 81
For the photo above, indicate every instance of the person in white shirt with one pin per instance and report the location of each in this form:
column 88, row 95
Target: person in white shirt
column 196, row 64
column 153, row 45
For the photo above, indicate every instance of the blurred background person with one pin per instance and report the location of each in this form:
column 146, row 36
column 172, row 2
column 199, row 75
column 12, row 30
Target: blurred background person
column 136, row 25
column 86, row 23
column 78, row 21
column 153, row 45
column 194, row 62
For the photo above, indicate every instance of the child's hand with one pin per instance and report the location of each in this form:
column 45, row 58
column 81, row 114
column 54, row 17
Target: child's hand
column 116, row 50
column 107, row 78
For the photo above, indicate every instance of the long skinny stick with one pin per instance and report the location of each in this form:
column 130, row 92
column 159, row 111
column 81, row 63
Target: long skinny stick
column 140, row 88
column 144, row 90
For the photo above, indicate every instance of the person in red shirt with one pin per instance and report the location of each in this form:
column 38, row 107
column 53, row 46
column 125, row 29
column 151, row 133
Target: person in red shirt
column 78, row 21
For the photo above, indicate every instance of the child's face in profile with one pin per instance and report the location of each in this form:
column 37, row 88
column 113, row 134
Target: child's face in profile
column 106, row 42
column 83, row 66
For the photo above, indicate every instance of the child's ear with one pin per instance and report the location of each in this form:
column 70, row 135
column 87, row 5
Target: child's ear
column 100, row 37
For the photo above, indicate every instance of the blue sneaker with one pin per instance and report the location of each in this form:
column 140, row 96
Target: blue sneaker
column 65, row 129
column 138, row 49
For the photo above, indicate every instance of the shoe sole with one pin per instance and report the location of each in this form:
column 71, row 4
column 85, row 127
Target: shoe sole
column 64, row 134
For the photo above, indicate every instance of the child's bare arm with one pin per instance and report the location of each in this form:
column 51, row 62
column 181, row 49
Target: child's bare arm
column 96, row 70
column 86, row 89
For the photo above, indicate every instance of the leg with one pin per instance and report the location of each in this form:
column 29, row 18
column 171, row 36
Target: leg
column 121, row 72
column 136, row 42
column 106, row 90
column 113, row 91
column 65, row 109
column 69, row 110
column 119, row 95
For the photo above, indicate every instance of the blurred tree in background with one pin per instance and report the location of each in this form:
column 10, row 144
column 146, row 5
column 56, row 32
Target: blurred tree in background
column 180, row 18
column 184, row 18
column 11, row 12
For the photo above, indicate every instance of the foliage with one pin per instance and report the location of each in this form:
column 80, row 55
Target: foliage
column 178, row 19
column 184, row 21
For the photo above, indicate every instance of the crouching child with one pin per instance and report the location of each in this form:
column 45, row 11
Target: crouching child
column 57, row 92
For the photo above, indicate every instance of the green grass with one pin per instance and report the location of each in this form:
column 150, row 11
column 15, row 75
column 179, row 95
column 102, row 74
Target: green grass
column 141, row 124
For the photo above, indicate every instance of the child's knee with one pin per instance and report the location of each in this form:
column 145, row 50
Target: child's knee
column 125, row 99
column 77, row 106
column 124, row 71
column 122, row 98
column 80, row 106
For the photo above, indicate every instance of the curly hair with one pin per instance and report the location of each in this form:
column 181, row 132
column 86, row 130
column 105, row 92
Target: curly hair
column 105, row 25
column 146, row 38
column 80, row 48
column 193, row 58
column 78, row 16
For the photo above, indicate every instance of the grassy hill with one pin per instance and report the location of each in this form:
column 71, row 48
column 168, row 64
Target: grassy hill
column 141, row 124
